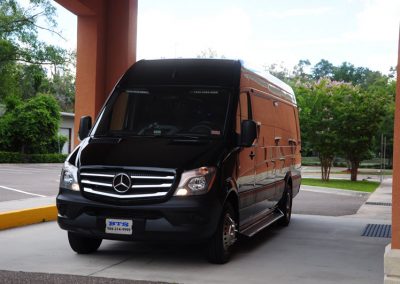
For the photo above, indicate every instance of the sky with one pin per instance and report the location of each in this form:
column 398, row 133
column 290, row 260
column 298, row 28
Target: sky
column 263, row 32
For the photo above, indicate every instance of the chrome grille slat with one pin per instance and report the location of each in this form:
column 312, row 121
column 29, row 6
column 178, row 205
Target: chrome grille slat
column 96, row 183
column 89, row 190
column 152, row 185
column 96, row 175
column 152, row 177
column 145, row 182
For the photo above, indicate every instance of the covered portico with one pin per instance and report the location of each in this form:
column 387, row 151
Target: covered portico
column 107, row 47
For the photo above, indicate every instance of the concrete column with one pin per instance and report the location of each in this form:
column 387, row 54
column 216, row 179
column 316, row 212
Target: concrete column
column 392, row 252
column 106, row 47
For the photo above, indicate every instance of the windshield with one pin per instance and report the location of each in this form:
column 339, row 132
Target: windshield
column 165, row 111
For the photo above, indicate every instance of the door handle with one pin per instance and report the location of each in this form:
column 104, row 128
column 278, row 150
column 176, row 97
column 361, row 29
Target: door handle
column 252, row 155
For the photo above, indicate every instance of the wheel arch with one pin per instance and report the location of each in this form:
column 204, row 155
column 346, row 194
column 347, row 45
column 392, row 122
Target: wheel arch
column 288, row 180
column 233, row 198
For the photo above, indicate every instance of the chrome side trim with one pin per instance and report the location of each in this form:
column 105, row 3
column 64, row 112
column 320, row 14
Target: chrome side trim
column 157, row 194
column 96, row 183
column 96, row 175
column 153, row 177
column 152, row 185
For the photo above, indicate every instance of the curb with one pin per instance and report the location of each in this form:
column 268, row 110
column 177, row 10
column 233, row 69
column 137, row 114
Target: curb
column 331, row 190
column 17, row 218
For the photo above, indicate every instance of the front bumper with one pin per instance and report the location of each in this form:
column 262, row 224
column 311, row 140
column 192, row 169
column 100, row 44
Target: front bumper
column 192, row 218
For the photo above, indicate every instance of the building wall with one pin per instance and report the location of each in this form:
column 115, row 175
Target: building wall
column 67, row 129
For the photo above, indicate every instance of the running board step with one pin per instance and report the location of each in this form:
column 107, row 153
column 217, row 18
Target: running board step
column 261, row 224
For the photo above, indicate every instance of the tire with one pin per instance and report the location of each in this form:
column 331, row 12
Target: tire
column 83, row 245
column 220, row 245
column 285, row 206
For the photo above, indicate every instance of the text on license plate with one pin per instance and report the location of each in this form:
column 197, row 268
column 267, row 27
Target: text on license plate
column 119, row 226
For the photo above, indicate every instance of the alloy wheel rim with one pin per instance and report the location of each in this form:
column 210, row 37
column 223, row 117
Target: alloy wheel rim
column 229, row 232
column 288, row 205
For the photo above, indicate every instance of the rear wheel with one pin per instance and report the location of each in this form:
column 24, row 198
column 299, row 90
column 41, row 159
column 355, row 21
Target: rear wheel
column 285, row 206
column 220, row 245
column 83, row 245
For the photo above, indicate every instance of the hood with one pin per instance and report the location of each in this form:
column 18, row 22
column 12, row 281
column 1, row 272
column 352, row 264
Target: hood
column 151, row 152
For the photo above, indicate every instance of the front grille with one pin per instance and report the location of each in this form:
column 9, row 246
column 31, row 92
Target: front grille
column 142, row 183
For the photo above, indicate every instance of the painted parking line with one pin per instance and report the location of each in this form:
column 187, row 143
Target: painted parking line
column 21, row 191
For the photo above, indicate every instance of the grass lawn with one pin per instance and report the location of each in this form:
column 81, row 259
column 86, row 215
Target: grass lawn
column 364, row 186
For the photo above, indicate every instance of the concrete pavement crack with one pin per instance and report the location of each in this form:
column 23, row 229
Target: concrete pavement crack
column 109, row 266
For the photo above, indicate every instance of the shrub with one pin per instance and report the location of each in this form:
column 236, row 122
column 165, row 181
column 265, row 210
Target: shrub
column 14, row 157
column 31, row 126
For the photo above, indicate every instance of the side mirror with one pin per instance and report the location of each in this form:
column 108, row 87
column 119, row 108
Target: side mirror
column 84, row 127
column 249, row 133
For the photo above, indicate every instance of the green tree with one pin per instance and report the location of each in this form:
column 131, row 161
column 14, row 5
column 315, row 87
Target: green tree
column 299, row 70
column 323, row 69
column 319, row 128
column 388, row 92
column 22, row 54
column 279, row 71
column 31, row 126
column 209, row 53
column 19, row 27
column 62, row 87
column 359, row 116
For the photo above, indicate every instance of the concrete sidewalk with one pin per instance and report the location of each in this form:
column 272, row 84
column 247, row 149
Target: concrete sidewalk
column 379, row 204
column 340, row 173
column 312, row 250
column 20, row 204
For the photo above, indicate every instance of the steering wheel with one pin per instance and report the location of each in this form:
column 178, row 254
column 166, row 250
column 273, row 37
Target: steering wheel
column 148, row 127
column 202, row 127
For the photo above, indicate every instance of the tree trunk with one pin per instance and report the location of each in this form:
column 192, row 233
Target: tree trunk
column 326, row 164
column 354, row 170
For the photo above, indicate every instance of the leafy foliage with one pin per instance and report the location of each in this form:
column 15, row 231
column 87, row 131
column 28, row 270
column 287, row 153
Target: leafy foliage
column 344, row 110
column 31, row 126
column 26, row 61
column 18, row 33
column 359, row 115
column 16, row 157
column 317, row 117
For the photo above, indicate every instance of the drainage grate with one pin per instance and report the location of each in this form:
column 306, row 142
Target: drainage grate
column 379, row 203
column 378, row 231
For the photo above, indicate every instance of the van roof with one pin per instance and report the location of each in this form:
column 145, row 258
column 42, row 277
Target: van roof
column 271, row 84
column 211, row 72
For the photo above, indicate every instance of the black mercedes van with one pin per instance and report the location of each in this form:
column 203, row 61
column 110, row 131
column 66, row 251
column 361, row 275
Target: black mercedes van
column 183, row 149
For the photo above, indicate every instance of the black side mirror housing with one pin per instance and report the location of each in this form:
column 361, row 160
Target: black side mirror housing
column 249, row 133
column 84, row 127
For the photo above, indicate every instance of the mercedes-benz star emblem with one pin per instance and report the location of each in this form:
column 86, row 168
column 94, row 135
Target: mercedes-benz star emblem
column 121, row 183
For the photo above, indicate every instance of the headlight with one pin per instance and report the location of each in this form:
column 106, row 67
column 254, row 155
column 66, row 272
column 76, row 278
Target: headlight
column 196, row 182
column 69, row 177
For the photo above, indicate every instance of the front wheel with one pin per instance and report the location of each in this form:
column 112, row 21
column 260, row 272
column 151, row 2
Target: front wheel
column 285, row 207
column 220, row 245
column 83, row 245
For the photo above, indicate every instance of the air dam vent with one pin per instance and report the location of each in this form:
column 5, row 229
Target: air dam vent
column 378, row 231
column 379, row 203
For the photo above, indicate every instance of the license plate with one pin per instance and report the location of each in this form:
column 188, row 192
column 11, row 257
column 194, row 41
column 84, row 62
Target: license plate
column 119, row 226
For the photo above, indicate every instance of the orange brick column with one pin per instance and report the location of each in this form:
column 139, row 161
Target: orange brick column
column 392, row 252
column 106, row 47
column 396, row 166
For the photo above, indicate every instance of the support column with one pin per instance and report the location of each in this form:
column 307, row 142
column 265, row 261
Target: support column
column 106, row 47
column 392, row 252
